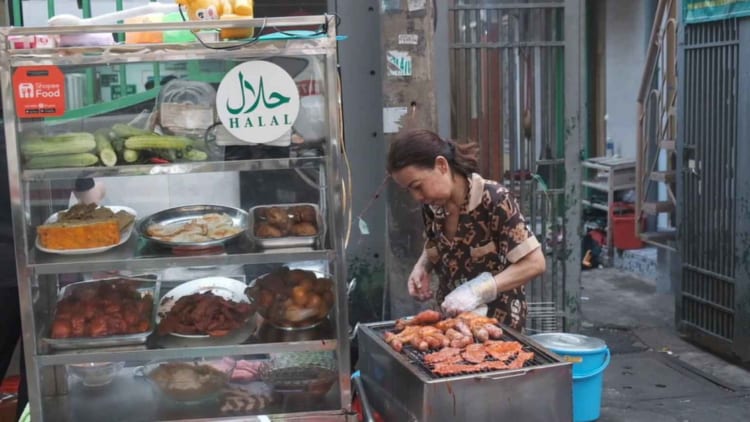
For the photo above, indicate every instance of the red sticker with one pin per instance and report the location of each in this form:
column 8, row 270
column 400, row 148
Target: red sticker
column 39, row 91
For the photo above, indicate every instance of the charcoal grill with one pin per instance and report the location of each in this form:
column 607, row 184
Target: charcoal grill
column 539, row 391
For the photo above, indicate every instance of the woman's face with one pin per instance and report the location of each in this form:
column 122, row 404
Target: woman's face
column 428, row 186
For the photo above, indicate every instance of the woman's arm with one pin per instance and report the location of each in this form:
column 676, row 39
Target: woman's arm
column 522, row 271
column 485, row 287
column 418, row 283
column 424, row 262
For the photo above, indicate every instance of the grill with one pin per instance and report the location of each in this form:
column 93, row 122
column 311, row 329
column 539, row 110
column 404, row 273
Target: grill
column 416, row 357
column 540, row 390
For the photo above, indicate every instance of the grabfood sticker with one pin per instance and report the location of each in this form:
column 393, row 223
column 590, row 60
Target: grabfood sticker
column 257, row 101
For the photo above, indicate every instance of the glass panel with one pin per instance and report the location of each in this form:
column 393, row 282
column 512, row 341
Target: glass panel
column 237, row 385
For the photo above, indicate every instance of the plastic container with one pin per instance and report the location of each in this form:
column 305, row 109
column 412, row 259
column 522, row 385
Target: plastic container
column 623, row 227
column 590, row 357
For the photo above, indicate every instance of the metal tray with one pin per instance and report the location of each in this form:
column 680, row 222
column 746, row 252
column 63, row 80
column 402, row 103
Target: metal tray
column 190, row 212
column 145, row 286
column 286, row 241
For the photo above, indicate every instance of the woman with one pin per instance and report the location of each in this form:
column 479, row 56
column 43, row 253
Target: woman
column 477, row 241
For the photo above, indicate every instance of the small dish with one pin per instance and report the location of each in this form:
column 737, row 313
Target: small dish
column 96, row 374
column 291, row 215
column 313, row 381
column 124, row 235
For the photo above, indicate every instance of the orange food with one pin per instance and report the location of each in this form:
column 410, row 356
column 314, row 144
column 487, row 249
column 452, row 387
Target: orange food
column 79, row 235
column 299, row 296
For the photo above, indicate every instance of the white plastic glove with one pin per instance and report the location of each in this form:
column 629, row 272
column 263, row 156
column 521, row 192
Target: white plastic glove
column 419, row 284
column 471, row 295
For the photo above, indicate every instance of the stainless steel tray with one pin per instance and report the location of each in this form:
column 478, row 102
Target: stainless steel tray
column 144, row 286
column 286, row 241
column 184, row 214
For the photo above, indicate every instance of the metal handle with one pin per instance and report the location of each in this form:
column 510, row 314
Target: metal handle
column 502, row 377
column 360, row 388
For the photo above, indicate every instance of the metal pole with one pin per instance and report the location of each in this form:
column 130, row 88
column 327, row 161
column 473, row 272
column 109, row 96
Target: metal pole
column 575, row 124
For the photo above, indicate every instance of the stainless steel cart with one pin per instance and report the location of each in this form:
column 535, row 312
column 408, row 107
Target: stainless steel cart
column 240, row 173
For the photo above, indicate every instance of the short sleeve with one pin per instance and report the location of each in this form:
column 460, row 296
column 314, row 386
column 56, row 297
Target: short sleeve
column 509, row 225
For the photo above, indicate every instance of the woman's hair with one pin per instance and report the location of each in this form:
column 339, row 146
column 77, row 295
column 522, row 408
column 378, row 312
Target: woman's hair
column 420, row 148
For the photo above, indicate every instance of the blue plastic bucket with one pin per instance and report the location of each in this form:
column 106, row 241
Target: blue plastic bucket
column 590, row 357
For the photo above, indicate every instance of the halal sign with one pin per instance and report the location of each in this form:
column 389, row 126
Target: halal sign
column 257, row 102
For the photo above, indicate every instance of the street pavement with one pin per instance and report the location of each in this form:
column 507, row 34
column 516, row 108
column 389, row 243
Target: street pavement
column 656, row 375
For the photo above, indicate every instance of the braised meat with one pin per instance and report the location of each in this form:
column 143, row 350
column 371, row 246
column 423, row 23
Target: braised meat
column 102, row 309
column 205, row 313
column 279, row 221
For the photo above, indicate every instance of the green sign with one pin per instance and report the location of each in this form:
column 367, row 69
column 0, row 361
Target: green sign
column 697, row 11
column 117, row 92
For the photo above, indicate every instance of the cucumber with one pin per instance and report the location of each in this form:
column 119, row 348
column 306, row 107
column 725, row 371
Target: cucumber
column 126, row 131
column 71, row 143
column 139, row 142
column 130, row 155
column 196, row 155
column 84, row 159
column 104, row 148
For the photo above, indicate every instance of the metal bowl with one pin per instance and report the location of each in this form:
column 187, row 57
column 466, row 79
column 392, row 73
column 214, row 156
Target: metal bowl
column 184, row 214
column 96, row 374
column 286, row 241
column 278, row 300
column 212, row 379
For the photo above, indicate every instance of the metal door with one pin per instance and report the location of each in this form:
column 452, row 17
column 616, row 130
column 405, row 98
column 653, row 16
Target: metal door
column 509, row 80
column 710, row 229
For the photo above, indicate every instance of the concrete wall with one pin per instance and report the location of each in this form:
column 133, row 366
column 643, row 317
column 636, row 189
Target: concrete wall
column 627, row 26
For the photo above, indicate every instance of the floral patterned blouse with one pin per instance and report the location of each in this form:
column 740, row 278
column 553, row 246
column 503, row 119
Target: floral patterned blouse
column 491, row 234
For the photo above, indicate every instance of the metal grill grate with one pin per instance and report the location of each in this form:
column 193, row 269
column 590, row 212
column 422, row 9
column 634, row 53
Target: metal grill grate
column 416, row 357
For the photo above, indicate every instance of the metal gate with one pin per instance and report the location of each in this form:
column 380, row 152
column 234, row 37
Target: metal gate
column 708, row 301
column 508, row 85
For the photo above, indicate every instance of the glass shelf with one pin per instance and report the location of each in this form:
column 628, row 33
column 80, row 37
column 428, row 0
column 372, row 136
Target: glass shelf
column 139, row 255
column 175, row 168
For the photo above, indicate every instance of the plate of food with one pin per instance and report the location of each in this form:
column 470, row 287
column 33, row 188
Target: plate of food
column 85, row 229
column 204, row 308
column 293, row 299
column 109, row 312
column 185, row 381
column 194, row 225
column 286, row 225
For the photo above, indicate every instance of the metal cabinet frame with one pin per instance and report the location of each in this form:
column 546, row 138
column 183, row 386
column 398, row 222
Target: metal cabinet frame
column 31, row 266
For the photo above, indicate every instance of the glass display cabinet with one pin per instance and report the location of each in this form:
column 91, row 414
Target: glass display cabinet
column 179, row 220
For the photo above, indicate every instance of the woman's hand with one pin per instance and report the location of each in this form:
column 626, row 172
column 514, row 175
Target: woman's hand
column 419, row 283
column 474, row 293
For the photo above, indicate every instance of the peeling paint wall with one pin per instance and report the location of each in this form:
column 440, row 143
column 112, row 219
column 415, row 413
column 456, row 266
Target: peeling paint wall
column 407, row 39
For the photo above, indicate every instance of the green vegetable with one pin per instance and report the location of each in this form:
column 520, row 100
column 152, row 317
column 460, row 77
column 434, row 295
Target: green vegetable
column 139, row 142
column 126, row 131
column 196, row 155
column 129, row 155
column 83, row 159
column 104, row 148
column 118, row 144
column 167, row 154
column 69, row 143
